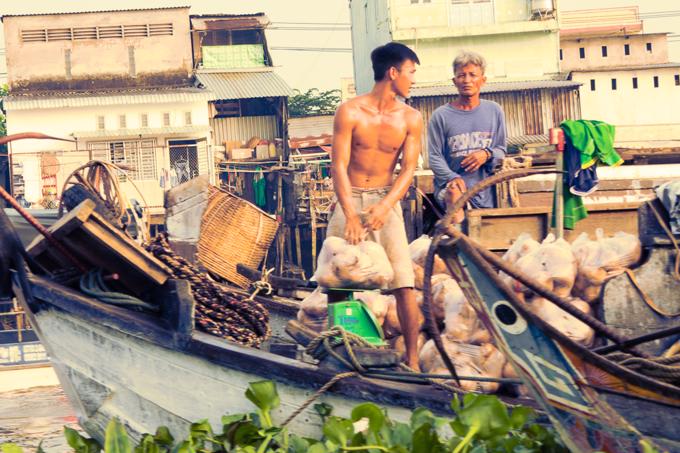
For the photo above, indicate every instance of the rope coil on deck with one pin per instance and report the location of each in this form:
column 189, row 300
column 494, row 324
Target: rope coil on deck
column 219, row 311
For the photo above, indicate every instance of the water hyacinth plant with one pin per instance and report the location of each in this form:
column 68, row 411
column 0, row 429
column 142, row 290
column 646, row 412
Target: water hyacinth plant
column 482, row 425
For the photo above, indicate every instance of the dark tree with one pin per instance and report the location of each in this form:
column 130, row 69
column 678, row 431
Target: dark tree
column 313, row 102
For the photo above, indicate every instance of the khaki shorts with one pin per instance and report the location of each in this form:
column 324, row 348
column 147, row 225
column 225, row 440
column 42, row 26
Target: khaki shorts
column 392, row 236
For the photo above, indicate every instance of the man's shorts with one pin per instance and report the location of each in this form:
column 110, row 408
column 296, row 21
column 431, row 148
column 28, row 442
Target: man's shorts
column 392, row 236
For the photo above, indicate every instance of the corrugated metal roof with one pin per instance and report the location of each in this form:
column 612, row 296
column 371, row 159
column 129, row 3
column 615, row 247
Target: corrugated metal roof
column 629, row 68
column 62, row 99
column 244, row 85
column 52, row 13
column 494, row 87
column 145, row 132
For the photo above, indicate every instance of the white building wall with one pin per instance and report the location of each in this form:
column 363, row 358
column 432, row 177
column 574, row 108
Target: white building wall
column 64, row 122
column 645, row 113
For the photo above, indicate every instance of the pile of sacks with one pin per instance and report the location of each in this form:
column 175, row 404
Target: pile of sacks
column 578, row 270
column 465, row 338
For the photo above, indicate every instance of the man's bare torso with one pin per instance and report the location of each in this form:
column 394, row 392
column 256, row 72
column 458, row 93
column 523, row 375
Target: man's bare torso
column 377, row 140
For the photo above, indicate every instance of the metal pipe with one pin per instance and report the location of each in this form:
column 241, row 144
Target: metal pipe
column 557, row 139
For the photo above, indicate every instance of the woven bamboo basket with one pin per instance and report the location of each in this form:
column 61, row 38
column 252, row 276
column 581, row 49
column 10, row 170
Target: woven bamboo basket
column 233, row 231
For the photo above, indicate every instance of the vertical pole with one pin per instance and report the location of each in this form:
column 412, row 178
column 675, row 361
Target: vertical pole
column 557, row 139
column 10, row 162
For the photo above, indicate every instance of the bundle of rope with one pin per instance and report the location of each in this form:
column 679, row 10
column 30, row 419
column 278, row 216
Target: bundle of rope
column 219, row 310
column 665, row 369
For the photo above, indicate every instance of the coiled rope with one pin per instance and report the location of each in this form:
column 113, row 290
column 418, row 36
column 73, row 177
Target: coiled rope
column 219, row 310
column 665, row 369
column 92, row 283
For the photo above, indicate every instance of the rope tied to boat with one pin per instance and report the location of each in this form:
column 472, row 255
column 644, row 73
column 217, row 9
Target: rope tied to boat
column 666, row 369
column 219, row 310
column 327, row 341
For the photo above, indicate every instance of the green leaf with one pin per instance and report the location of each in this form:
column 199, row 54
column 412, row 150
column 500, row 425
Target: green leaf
column 163, row 436
column 421, row 416
column 263, row 394
column 397, row 433
column 425, row 439
column 487, row 413
column 323, row 409
column 184, row 447
column 297, row 444
column 116, row 439
column 148, row 445
column 244, row 433
column 229, row 419
column 338, row 430
column 79, row 443
column 375, row 416
column 317, row 448
column 520, row 416
column 11, row 448
column 40, row 448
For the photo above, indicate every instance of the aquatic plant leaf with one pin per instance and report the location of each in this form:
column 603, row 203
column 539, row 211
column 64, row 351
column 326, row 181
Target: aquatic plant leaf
column 11, row 448
column 338, row 430
column 229, row 419
column 264, row 395
column 425, row 439
column 421, row 416
column 487, row 414
column 375, row 416
column 200, row 430
column 318, row 447
column 184, row 447
column 297, row 444
column 520, row 416
column 148, row 445
column 79, row 443
column 163, row 436
column 324, row 410
column 116, row 439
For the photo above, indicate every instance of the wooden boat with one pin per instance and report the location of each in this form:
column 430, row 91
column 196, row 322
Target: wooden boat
column 155, row 369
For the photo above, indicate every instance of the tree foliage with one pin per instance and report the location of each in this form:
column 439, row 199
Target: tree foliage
column 313, row 102
column 4, row 89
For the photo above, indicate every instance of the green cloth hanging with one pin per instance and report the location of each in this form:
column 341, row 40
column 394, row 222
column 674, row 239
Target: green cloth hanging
column 260, row 189
column 574, row 209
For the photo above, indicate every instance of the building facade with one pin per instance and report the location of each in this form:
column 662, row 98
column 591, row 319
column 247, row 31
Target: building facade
column 232, row 61
column 625, row 75
column 120, row 85
column 518, row 38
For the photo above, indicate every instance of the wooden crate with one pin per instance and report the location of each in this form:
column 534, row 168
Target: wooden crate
column 496, row 229
column 98, row 244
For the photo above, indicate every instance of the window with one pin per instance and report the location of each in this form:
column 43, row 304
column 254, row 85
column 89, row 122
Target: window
column 122, row 121
column 166, row 119
column 635, row 83
column 139, row 155
column 656, row 81
column 649, row 47
column 101, row 124
column 560, row 54
column 613, row 84
column 144, row 120
column 677, row 80
column 592, row 84
column 471, row 12
column 581, row 52
column 187, row 118
column 96, row 32
column 626, row 49
column 604, row 51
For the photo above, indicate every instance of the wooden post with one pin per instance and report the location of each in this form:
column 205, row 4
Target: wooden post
column 557, row 139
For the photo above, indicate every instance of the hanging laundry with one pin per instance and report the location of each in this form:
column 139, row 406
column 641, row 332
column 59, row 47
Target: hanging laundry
column 587, row 143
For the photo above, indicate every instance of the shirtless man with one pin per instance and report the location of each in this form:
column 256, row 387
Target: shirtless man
column 370, row 133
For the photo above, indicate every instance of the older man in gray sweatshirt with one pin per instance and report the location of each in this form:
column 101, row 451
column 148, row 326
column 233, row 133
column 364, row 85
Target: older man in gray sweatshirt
column 466, row 137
